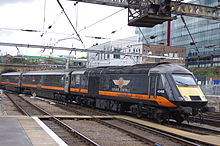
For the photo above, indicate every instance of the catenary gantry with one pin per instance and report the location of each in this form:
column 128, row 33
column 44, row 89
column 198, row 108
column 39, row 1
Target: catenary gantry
column 144, row 13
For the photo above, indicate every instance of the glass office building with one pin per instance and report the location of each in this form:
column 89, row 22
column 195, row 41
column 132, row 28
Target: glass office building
column 205, row 32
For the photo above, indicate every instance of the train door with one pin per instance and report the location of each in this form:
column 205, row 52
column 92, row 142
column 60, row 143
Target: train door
column 93, row 85
column 153, row 84
column 67, row 83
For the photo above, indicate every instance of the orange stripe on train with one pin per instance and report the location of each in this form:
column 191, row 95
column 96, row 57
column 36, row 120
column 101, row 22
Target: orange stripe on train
column 83, row 90
column 52, row 87
column 74, row 89
column 78, row 90
column 29, row 85
column 9, row 83
column 159, row 99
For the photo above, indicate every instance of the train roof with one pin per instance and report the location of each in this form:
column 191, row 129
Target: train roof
column 169, row 68
column 11, row 74
column 164, row 67
column 48, row 72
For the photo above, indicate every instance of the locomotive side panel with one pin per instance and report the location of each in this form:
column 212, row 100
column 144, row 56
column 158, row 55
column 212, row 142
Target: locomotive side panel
column 30, row 83
column 11, row 82
column 51, row 86
column 79, row 84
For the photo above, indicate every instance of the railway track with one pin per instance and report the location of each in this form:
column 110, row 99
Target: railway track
column 88, row 111
column 186, row 127
column 210, row 118
column 192, row 128
column 24, row 106
column 140, row 133
column 121, row 124
column 67, row 133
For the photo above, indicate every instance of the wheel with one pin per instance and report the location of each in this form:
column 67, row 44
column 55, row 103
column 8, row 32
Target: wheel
column 160, row 118
column 180, row 118
column 139, row 115
column 34, row 94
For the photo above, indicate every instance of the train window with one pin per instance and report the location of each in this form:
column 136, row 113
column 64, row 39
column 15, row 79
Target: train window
column 104, row 82
column 152, row 83
column 184, row 80
column 5, row 79
column 84, row 82
column 11, row 79
column 31, row 79
column 53, row 80
column 77, row 79
column 160, row 82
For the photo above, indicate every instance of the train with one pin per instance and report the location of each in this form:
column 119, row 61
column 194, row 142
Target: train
column 160, row 91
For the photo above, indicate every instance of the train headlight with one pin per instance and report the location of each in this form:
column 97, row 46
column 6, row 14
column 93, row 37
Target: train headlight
column 203, row 97
column 186, row 98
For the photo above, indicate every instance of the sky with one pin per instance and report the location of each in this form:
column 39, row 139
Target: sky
column 38, row 15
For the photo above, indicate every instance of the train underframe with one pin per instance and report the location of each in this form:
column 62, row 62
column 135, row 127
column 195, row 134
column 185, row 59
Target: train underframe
column 139, row 109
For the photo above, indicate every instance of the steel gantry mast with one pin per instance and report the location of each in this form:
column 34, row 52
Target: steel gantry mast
column 148, row 13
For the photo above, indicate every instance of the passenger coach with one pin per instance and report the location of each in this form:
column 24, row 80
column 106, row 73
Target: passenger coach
column 11, row 81
column 49, row 84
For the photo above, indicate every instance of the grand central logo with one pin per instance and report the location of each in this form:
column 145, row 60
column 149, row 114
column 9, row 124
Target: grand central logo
column 121, row 82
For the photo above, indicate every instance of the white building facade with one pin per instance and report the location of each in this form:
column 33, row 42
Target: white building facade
column 127, row 45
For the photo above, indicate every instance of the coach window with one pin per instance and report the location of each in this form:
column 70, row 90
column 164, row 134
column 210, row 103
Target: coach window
column 76, row 81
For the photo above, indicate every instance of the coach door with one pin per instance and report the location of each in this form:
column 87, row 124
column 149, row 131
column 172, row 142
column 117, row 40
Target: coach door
column 67, row 83
column 93, row 85
column 153, row 85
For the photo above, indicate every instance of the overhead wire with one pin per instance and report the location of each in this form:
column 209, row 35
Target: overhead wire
column 44, row 19
column 148, row 45
column 56, row 19
column 17, row 29
column 194, row 43
column 86, row 27
column 50, row 26
column 70, row 21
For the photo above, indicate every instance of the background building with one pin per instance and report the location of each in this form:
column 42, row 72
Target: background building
column 151, row 53
column 205, row 32
column 102, row 59
column 167, row 51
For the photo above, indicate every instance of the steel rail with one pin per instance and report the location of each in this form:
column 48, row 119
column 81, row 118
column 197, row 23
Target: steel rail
column 188, row 142
column 161, row 133
column 135, row 135
column 166, row 134
column 141, row 138
column 182, row 126
column 17, row 105
column 70, row 129
column 208, row 121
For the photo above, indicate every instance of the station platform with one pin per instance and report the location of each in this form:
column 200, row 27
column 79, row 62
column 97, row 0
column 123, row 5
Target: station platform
column 211, row 139
column 26, row 131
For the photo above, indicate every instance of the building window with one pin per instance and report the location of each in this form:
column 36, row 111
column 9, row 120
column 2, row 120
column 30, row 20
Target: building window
column 117, row 50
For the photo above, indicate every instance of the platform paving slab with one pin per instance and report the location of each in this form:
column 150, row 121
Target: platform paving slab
column 23, row 131
column 12, row 133
column 36, row 134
